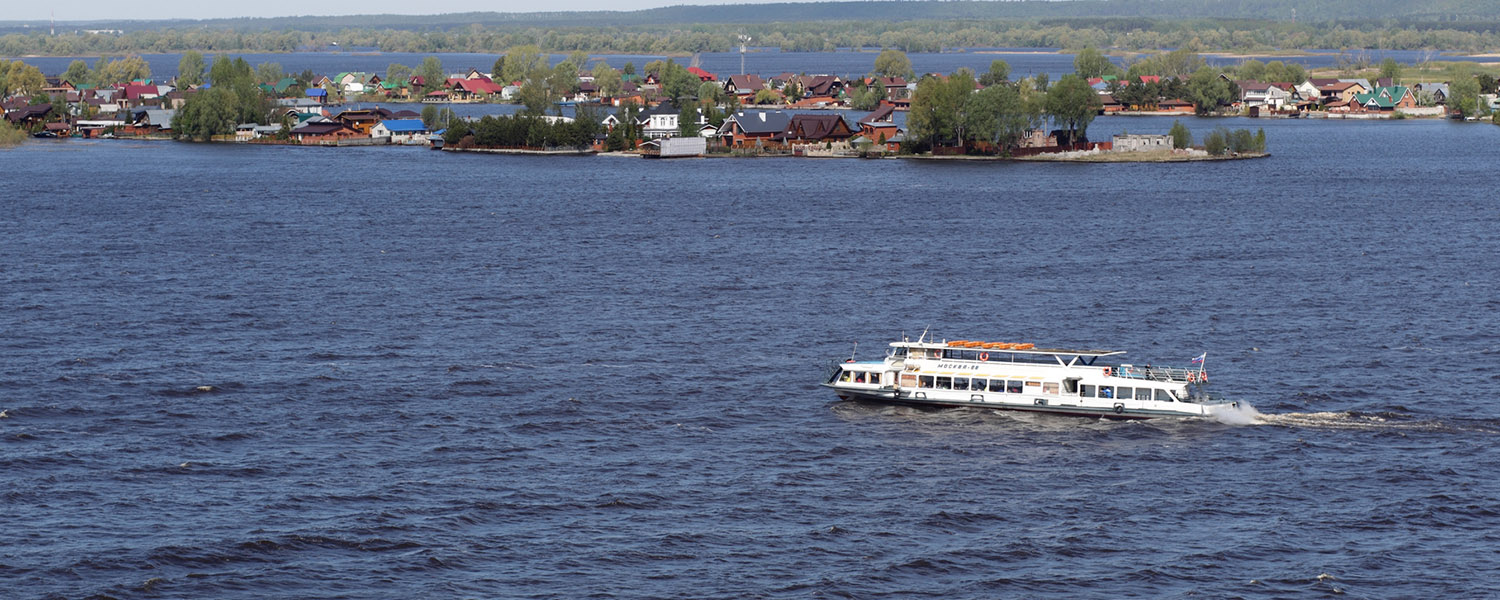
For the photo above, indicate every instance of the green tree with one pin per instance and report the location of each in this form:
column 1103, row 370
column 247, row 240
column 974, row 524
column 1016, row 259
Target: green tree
column 497, row 70
column 1252, row 70
column 893, row 63
column 677, row 83
column 999, row 73
column 687, row 120
column 398, row 73
column 78, row 73
column 1208, row 91
column 1463, row 96
column 207, row 113
column 1072, row 105
column 578, row 57
column 533, row 94
column 269, row 72
column 765, row 96
column 1217, row 141
column 1090, row 62
column 1001, row 116
column 628, row 69
column 710, row 92
column 121, row 70
column 1181, row 136
column 607, row 80
column 432, row 74
column 524, row 62
column 1260, row 141
column 937, row 111
column 1392, row 69
column 562, row 80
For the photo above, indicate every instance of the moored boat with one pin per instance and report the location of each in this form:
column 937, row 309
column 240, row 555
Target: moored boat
column 1019, row 376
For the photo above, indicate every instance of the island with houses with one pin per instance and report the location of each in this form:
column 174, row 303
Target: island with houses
column 668, row 109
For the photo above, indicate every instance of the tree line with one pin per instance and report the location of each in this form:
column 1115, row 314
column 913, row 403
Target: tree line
column 927, row 35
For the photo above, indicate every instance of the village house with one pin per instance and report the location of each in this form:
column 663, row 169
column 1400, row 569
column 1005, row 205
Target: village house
column 743, row 85
column 815, row 129
column 402, row 131
column 753, row 129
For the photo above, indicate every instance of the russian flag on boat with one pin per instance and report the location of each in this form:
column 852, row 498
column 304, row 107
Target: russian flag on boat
column 1200, row 358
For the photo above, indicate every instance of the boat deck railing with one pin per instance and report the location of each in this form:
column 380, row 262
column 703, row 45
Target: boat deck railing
column 1156, row 373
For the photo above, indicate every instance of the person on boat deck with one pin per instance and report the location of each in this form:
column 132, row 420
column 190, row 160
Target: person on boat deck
column 1107, row 392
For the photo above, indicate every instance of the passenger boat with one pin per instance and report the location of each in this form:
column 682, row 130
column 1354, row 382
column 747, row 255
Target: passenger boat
column 1018, row 376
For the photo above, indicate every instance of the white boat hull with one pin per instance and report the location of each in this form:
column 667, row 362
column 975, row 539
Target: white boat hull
column 1039, row 404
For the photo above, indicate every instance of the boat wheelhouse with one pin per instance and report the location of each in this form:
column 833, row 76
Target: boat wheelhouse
column 1015, row 376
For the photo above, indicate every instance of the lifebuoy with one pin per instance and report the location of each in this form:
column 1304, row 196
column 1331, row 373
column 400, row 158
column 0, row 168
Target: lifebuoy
column 984, row 356
column 1192, row 377
column 1107, row 371
column 1203, row 377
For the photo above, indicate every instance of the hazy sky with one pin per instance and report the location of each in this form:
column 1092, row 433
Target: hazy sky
column 82, row 10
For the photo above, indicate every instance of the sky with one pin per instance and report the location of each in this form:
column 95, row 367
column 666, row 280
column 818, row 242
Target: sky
column 84, row 10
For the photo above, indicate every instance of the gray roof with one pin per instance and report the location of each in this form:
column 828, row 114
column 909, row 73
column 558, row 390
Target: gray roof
column 762, row 121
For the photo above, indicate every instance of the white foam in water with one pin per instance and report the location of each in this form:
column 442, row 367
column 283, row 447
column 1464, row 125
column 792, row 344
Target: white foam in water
column 1239, row 413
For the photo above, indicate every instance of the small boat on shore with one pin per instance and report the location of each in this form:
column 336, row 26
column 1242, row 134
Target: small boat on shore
column 1014, row 376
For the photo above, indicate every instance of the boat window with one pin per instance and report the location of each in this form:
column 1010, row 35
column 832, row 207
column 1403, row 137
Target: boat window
column 924, row 381
column 952, row 354
column 945, row 383
column 1163, row 396
column 971, row 355
column 847, row 376
column 900, row 351
column 1087, row 391
column 859, row 377
column 875, row 378
column 1014, row 386
column 1070, row 385
column 997, row 385
column 1049, row 388
column 960, row 383
column 1124, row 393
column 1106, row 391
column 977, row 384
column 1142, row 393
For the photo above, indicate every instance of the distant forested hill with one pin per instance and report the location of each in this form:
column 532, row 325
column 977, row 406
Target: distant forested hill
column 924, row 25
column 1447, row 12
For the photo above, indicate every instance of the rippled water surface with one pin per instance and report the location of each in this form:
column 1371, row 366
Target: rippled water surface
column 233, row 372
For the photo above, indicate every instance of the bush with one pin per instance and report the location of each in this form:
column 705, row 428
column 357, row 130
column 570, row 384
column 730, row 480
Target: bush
column 1181, row 137
column 1241, row 141
column 1217, row 142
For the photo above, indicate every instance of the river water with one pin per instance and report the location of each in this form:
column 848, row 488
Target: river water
column 248, row 372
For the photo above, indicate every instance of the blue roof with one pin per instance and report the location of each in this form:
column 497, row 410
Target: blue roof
column 404, row 125
column 317, row 92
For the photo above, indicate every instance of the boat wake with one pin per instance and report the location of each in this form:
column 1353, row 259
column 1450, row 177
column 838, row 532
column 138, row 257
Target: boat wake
column 1245, row 414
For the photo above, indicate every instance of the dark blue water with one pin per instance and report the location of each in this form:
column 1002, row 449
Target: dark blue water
column 247, row 372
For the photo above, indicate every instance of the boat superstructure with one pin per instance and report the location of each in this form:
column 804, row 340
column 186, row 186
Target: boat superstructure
column 1019, row 376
